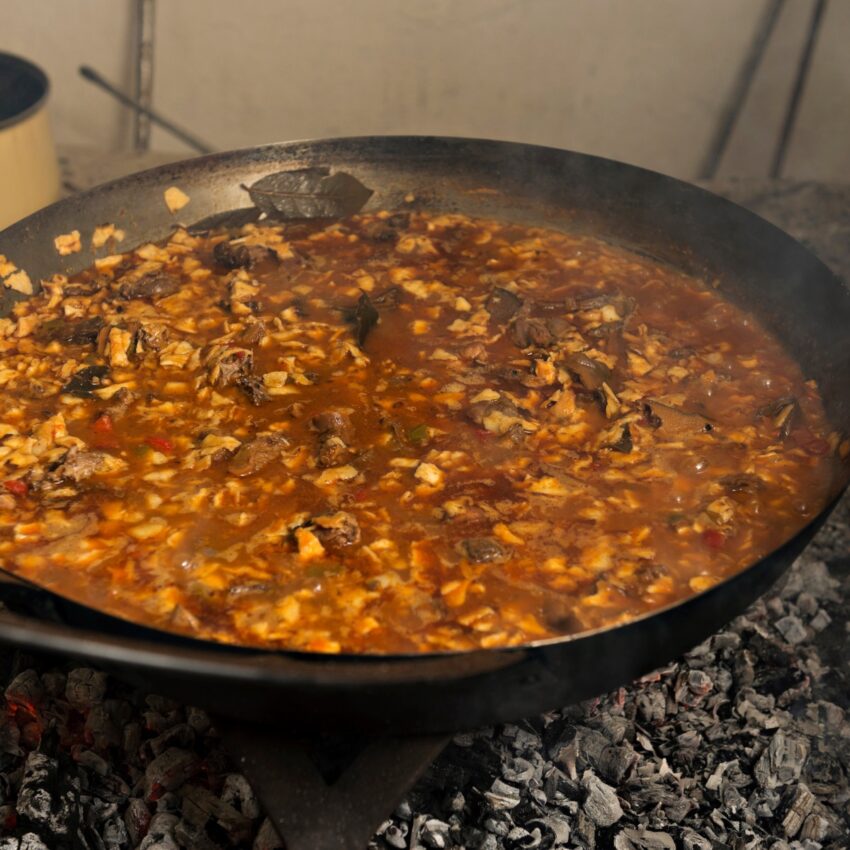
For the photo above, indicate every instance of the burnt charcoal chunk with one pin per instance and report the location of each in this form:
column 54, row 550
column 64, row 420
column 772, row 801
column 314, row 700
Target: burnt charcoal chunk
column 335, row 423
column 84, row 382
column 337, row 531
column 256, row 454
column 502, row 305
column 241, row 256
column 531, row 332
column 79, row 332
column 254, row 388
column 482, row 550
column 152, row 285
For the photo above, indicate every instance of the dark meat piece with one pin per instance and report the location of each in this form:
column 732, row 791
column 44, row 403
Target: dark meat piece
column 234, row 367
column 153, row 285
column 624, row 443
column 241, row 256
column 606, row 330
column 363, row 316
column 497, row 415
column 783, row 413
column 590, row 372
column 254, row 388
column 502, row 305
column 152, row 336
column 334, row 423
column 78, row 465
column 742, row 483
column 120, row 403
column 252, row 333
column 80, row 289
column 71, row 332
column 252, row 456
column 386, row 229
column 482, row 550
column 674, row 422
column 332, row 451
column 526, row 332
column 84, row 382
column 336, row 531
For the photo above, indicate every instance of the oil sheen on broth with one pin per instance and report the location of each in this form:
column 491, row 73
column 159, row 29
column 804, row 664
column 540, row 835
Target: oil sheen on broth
column 400, row 432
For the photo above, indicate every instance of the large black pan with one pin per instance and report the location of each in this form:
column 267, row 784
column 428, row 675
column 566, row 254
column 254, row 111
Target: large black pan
column 756, row 265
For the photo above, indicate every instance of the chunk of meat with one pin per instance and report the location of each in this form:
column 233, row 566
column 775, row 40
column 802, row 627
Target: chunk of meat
column 499, row 416
column 252, row 333
column 235, row 255
column 742, row 483
column 336, row 531
column 254, row 388
column 386, row 229
column 502, row 305
column 157, row 284
column 77, row 465
column 332, row 451
column 121, row 403
column 83, row 383
column 482, row 550
column 674, row 422
column 334, row 423
column 257, row 453
column 79, row 332
column 151, row 337
column 783, row 413
column 363, row 316
column 591, row 373
column 527, row 332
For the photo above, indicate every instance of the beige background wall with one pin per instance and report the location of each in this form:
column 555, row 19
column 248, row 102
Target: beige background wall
column 638, row 80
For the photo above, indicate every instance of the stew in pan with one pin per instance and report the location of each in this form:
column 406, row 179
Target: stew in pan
column 399, row 432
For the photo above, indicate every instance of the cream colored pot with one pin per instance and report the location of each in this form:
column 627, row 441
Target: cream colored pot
column 29, row 172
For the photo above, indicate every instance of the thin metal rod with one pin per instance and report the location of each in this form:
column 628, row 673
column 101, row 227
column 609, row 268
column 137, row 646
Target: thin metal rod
column 797, row 92
column 143, row 79
column 192, row 141
column 735, row 102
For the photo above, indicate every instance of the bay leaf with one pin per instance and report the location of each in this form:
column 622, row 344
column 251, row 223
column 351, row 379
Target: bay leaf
column 308, row 193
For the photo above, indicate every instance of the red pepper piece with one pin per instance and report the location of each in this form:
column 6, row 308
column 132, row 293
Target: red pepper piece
column 713, row 538
column 161, row 444
column 103, row 424
column 16, row 487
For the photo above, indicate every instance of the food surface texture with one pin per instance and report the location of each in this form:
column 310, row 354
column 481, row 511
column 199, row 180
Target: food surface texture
column 399, row 432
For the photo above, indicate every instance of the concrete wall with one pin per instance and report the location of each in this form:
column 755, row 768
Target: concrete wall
column 638, row 80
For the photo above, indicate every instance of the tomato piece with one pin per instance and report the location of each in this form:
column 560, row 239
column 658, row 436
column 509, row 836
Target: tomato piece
column 103, row 424
column 713, row 538
column 16, row 487
column 161, row 444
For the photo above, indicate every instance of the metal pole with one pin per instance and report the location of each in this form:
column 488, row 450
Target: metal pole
column 799, row 87
column 143, row 79
column 733, row 106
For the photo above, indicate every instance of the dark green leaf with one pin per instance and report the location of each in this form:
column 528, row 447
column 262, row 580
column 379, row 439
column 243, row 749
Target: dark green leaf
column 309, row 193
